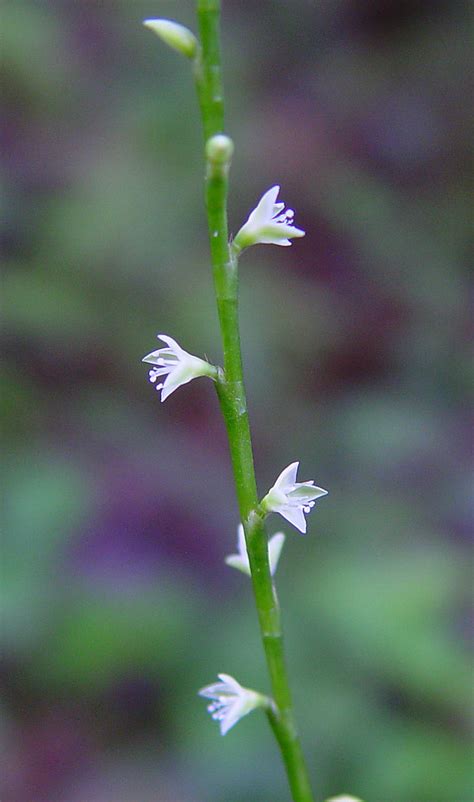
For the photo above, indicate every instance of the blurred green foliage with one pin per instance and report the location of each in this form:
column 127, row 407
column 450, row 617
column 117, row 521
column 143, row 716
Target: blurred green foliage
column 116, row 603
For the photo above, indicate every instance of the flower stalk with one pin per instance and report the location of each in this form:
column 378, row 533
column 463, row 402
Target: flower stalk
column 231, row 393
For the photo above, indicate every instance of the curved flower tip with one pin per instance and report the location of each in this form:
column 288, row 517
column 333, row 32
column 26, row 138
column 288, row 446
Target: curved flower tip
column 292, row 499
column 269, row 223
column 177, row 365
column 231, row 702
column 240, row 560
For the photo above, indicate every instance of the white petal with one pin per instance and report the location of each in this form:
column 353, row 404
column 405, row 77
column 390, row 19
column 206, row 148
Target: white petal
column 304, row 492
column 241, row 559
column 227, row 685
column 279, row 231
column 239, row 562
column 172, row 344
column 241, row 544
column 318, row 492
column 210, row 691
column 275, row 545
column 233, row 715
column 247, row 701
column 175, row 379
column 287, row 477
column 233, row 685
column 267, row 240
column 263, row 212
column 267, row 202
column 153, row 357
column 295, row 516
column 291, row 231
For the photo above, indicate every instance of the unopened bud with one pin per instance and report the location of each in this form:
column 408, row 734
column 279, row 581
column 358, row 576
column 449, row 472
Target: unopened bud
column 344, row 798
column 175, row 35
column 219, row 149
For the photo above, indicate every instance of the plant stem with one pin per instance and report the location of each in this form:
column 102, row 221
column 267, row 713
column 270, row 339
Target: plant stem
column 231, row 392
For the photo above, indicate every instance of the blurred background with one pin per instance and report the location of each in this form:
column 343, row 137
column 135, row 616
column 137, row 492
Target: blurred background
column 117, row 605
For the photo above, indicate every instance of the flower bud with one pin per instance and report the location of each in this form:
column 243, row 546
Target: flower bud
column 344, row 798
column 219, row 149
column 175, row 35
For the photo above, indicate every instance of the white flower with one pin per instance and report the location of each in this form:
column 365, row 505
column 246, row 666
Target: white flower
column 241, row 559
column 291, row 498
column 268, row 224
column 231, row 701
column 177, row 365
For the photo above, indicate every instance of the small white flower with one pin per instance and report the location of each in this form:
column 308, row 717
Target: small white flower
column 292, row 499
column 231, row 701
column 177, row 365
column 241, row 559
column 268, row 224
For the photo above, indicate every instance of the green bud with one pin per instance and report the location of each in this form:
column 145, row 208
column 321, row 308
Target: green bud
column 219, row 149
column 175, row 35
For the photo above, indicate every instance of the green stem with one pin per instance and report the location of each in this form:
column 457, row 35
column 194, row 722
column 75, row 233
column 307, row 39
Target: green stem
column 231, row 392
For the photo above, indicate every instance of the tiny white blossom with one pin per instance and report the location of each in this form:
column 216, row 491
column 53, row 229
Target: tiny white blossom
column 241, row 559
column 268, row 224
column 177, row 365
column 231, row 701
column 292, row 499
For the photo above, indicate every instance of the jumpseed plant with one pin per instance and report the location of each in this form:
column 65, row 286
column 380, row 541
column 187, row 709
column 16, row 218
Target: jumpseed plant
column 172, row 366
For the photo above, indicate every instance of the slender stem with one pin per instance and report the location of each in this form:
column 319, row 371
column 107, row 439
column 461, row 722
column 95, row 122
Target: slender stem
column 231, row 392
